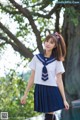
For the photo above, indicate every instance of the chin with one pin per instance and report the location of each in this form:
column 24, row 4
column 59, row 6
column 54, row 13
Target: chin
column 48, row 50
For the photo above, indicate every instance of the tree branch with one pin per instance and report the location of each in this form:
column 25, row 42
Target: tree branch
column 27, row 53
column 47, row 16
column 45, row 3
column 9, row 42
column 57, row 20
column 37, row 4
column 53, row 10
column 27, row 14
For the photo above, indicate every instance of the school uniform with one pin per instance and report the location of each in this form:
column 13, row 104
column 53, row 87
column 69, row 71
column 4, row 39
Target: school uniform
column 47, row 97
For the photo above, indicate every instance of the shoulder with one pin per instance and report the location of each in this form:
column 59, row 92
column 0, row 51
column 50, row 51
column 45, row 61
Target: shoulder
column 39, row 55
column 59, row 63
column 35, row 56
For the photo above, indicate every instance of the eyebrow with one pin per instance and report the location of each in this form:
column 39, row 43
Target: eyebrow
column 51, row 40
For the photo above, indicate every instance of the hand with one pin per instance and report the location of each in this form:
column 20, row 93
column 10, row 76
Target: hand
column 23, row 100
column 66, row 105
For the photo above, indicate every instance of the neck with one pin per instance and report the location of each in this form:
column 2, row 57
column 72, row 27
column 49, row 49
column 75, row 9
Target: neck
column 48, row 53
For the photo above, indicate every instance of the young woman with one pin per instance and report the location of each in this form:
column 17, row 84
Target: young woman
column 47, row 69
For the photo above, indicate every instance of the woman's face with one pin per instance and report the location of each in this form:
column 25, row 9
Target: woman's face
column 49, row 44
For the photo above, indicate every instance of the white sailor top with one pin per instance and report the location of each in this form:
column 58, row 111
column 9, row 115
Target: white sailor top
column 46, row 69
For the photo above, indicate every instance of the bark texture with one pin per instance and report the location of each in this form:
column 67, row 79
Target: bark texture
column 71, row 34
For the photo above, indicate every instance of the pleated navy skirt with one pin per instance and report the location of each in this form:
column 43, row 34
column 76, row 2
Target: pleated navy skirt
column 47, row 99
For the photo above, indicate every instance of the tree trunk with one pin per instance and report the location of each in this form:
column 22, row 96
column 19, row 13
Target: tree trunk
column 71, row 33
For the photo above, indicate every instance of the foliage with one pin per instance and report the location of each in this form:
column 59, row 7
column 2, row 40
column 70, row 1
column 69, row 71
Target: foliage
column 73, row 15
column 31, row 18
column 11, row 90
column 26, row 25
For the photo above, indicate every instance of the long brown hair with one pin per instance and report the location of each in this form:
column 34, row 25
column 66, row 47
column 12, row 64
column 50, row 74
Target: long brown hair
column 60, row 50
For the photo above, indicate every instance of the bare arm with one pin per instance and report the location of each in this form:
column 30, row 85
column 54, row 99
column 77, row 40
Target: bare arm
column 60, row 85
column 30, row 83
column 61, row 88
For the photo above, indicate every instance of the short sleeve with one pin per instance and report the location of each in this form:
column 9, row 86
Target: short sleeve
column 59, row 67
column 32, row 64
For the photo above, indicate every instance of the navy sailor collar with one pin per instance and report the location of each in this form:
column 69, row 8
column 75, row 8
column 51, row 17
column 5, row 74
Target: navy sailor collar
column 45, row 61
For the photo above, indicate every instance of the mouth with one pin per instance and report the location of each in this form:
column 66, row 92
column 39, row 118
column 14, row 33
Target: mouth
column 47, row 47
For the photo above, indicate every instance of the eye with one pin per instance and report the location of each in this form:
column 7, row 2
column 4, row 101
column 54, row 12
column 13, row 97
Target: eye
column 52, row 42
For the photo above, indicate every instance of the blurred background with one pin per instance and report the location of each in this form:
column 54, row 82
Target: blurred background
column 24, row 25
